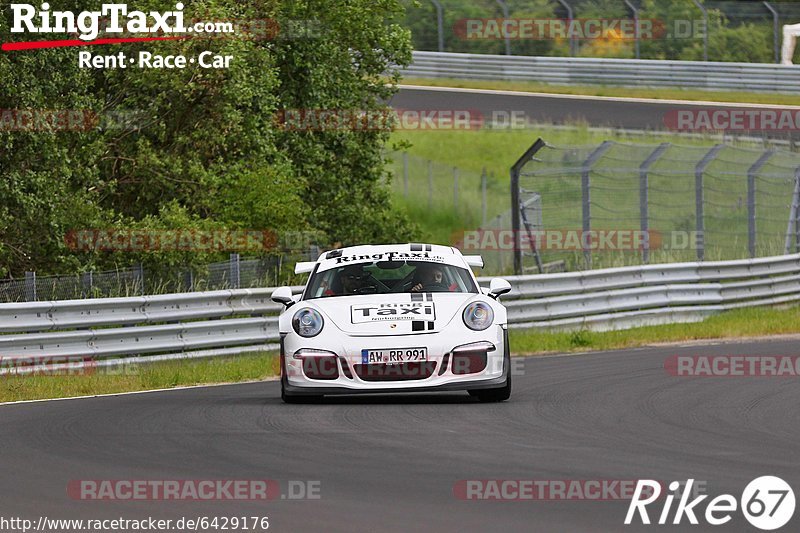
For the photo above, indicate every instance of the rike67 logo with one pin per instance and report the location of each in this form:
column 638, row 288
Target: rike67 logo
column 767, row 503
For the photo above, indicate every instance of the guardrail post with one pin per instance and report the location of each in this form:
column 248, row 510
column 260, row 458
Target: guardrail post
column 30, row 287
column 702, row 8
column 775, row 32
column 586, row 195
column 699, row 200
column 751, row 200
column 644, row 188
column 516, row 216
column 234, row 270
column 636, row 26
column 439, row 23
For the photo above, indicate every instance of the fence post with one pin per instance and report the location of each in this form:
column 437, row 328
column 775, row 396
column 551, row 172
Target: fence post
column 30, row 287
column 439, row 23
column 430, row 184
column 405, row 174
column 644, row 190
column 775, row 32
column 793, row 228
column 138, row 276
column 797, row 214
column 702, row 8
column 699, row 199
column 88, row 284
column 455, row 188
column 636, row 26
column 587, row 199
column 234, row 270
column 188, row 280
column 483, row 197
column 504, row 8
column 751, row 201
column 516, row 214
column 572, row 42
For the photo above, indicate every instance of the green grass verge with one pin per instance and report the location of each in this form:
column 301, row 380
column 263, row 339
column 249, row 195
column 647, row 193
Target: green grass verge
column 169, row 374
column 497, row 149
column 604, row 90
column 733, row 324
column 753, row 322
column 443, row 216
column 472, row 151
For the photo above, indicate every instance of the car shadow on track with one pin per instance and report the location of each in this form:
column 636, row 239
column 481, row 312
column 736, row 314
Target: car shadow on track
column 400, row 399
column 390, row 399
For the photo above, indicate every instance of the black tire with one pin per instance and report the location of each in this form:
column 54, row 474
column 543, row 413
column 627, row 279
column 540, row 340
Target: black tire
column 500, row 394
column 494, row 395
column 302, row 399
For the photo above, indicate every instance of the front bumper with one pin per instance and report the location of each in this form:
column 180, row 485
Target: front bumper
column 443, row 376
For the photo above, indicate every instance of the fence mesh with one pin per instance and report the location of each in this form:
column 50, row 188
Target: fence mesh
column 137, row 281
column 682, row 203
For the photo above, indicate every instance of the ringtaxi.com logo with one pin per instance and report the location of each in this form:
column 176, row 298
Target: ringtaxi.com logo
column 767, row 502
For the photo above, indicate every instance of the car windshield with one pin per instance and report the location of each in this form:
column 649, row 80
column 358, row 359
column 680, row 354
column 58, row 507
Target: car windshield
column 389, row 277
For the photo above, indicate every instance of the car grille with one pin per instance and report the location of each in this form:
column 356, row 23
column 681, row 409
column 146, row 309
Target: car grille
column 400, row 372
column 468, row 362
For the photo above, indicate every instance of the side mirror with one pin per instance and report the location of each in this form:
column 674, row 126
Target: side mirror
column 283, row 295
column 498, row 286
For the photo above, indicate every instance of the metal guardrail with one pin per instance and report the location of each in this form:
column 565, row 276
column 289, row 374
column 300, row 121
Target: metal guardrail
column 162, row 327
column 618, row 298
column 601, row 71
column 227, row 322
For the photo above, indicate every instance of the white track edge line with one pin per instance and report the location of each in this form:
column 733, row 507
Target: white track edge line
column 129, row 393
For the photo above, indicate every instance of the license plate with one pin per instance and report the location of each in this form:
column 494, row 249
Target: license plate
column 394, row 356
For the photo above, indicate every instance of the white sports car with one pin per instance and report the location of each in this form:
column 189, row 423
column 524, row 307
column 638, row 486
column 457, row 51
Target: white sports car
column 394, row 318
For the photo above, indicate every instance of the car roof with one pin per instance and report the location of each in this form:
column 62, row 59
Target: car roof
column 433, row 253
column 385, row 249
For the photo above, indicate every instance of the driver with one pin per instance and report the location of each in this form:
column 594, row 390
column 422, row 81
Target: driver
column 426, row 275
column 353, row 278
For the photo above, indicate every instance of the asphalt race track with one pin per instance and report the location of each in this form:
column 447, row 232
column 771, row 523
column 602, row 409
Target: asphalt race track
column 626, row 113
column 390, row 463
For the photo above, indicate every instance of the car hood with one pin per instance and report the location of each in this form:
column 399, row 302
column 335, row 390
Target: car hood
column 393, row 314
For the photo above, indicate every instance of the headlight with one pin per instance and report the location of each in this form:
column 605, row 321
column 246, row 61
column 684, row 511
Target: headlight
column 307, row 322
column 478, row 316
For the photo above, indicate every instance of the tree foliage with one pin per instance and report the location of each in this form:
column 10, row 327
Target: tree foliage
column 201, row 147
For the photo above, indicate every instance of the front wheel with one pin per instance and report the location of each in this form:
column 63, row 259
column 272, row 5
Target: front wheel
column 503, row 393
column 297, row 399
column 494, row 395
